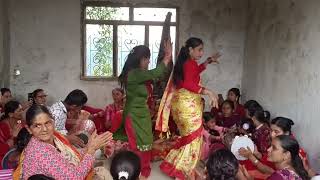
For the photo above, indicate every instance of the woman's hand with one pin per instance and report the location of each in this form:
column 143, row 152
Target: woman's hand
column 98, row 141
column 213, row 59
column 214, row 99
column 167, row 52
column 245, row 152
column 16, row 130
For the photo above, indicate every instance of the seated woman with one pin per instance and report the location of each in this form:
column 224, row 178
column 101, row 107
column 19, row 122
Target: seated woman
column 10, row 125
column 282, row 126
column 50, row 153
column 5, row 97
column 234, row 96
column 284, row 153
column 227, row 118
column 39, row 97
column 98, row 117
column 222, row 164
column 117, row 105
column 260, row 118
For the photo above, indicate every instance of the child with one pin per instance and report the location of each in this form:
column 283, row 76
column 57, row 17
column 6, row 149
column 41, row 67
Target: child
column 125, row 166
column 227, row 118
column 212, row 134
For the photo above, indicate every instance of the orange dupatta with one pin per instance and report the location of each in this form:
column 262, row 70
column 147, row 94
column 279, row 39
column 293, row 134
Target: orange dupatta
column 164, row 109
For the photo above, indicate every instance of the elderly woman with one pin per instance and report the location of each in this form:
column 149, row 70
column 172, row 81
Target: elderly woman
column 50, row 153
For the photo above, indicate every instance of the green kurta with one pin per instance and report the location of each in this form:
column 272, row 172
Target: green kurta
column 137, row 108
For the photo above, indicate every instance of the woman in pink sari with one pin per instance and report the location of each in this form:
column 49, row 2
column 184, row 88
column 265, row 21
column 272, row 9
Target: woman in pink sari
column 112, row 109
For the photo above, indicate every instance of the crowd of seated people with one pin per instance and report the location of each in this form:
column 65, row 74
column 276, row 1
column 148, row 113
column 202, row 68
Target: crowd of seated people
column 48, row 141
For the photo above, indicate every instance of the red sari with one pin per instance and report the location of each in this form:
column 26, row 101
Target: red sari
column 97, row 118
column 5, row 135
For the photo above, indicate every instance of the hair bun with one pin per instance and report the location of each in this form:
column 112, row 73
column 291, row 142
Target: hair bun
column 291, row 122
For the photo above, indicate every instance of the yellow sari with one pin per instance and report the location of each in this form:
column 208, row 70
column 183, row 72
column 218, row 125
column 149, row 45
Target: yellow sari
column 186, row 108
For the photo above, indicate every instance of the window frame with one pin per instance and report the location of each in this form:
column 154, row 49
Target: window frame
column 115, row 24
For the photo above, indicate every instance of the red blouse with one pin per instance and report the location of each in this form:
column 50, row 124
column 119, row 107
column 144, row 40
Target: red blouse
column 261, row 137
column 191, row 74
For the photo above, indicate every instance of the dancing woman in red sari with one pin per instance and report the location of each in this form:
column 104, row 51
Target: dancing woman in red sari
column 186, row 109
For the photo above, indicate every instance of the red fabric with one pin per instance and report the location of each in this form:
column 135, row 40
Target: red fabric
column 170, row 170
column 188, row 139
column 98, row 120
column 150, row 100
column 191, row 74
column 261, row 137
column 252, row 169
column 145, row 156
column 5, row 135
column 116, row 121
column 215, row 111
column 240, row 111
column 227, row 122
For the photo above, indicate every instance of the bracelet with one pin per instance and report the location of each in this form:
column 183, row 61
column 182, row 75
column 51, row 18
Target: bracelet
column 256, row 161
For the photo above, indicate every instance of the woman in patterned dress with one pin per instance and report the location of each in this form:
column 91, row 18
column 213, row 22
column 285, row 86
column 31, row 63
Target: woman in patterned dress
column 51, row 154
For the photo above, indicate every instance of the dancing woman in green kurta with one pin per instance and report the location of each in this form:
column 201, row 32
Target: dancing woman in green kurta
column 136, row 126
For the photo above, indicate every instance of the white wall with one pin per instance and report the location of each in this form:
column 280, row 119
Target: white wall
column 282, row 67
column 45, row 45
column 4, row 44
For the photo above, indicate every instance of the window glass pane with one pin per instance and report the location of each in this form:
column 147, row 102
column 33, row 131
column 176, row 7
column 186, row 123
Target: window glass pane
column 129, row 36
column 153, row 14
column 99, row 50
column 154, row 43
column 107, row 13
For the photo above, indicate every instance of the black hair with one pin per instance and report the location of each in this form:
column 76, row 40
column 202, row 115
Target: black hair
column 222, row 165
column 262, row 116
column 35, row 92
column 40, row 177
column 35, row 110
column 283, row 123
column 289, row 144
column 4, row 90
column 207, row 116
column 183, row 56
column 10, row 107
column 228, row 102
column 23, row 138
column 125, row 162
column 236, row 91
column 133, row 62
column 256, row 110
column 76, row 97
column 252, row 106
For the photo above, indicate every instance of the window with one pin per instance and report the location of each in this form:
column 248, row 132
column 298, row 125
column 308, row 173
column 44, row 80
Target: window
column 110, row 32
